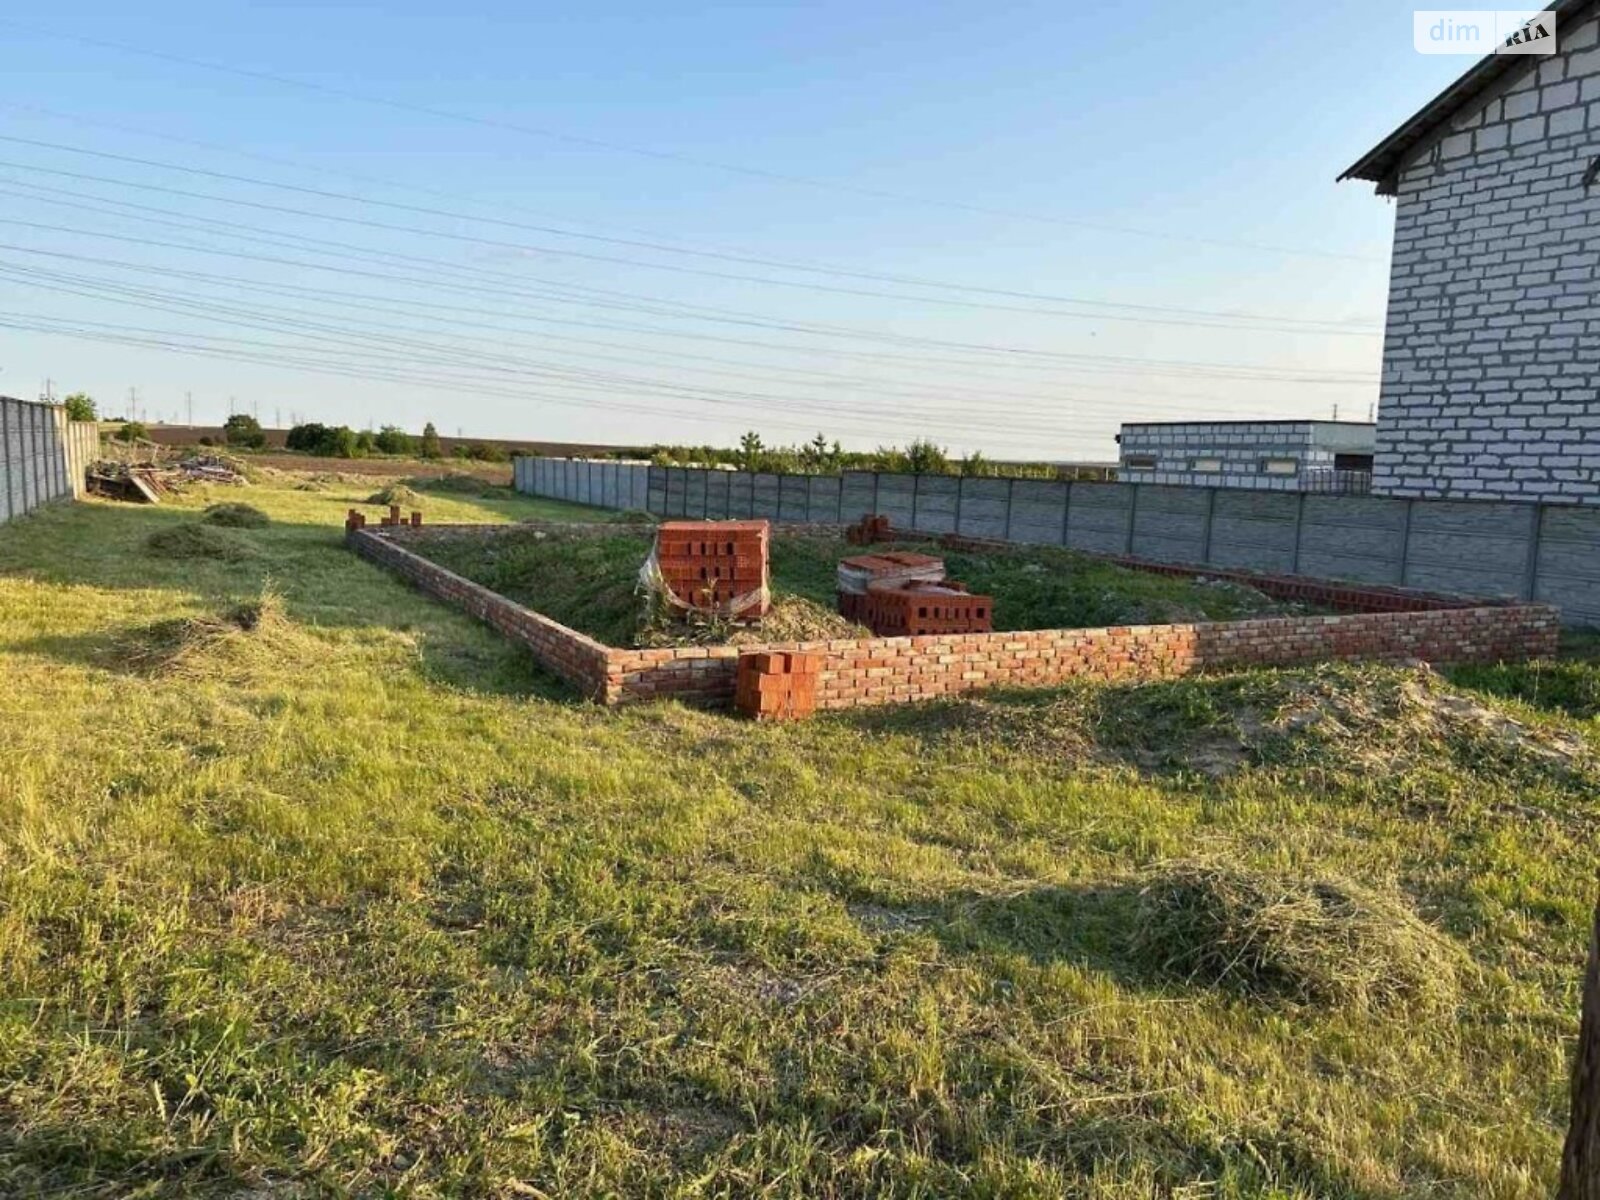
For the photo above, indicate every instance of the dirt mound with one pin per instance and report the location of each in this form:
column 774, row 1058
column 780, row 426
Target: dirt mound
column 237, row 516
column 1326, row 941
column 199, row 541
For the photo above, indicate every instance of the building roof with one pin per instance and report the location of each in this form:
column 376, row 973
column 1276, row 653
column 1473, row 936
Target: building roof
column 1379, row 164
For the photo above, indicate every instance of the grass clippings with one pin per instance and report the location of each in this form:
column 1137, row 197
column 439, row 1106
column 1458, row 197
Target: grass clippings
column 234, row 515
column 1325, row 941
column 193, row 540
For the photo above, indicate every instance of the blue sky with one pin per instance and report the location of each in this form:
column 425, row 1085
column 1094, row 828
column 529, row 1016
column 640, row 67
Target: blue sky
column 1008, row 227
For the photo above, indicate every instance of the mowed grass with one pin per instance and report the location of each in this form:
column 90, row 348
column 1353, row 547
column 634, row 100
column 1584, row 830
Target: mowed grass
column 333, row 893
column 591, row 581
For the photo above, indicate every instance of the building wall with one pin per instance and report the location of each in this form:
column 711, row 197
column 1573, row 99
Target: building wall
column 1491, row 366
column 1241, row 446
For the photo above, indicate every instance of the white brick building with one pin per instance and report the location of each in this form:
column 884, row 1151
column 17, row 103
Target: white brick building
column 1491, row 361
column 1280, row 456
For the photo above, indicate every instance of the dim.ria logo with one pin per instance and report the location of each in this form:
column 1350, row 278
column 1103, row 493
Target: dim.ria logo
column 1481, row 31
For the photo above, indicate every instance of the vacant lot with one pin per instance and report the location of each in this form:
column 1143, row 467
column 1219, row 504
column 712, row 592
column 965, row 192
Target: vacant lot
column 309, row 885
column 590, row 582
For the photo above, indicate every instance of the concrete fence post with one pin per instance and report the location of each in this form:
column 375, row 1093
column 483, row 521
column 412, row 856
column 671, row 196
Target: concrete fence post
column 1530, row 581
column 1011, row 492
column 6, row 468
column 916, row 483
column 1133, row 518
column 961, row 486
column 1299, row 525
column 1405, row 540
column 1211, row 512
column 1066, row 513
column 25, row 453
column 875, row 493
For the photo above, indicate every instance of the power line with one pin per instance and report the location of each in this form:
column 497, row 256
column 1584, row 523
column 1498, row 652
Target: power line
column 1208, row 370
column 673, row 156
column 1200, row 318
column 447, row 355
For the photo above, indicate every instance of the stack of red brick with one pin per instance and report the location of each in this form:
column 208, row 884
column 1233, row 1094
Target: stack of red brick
column 871, row 528
column 709, row 565
column 922, row 608
column 776, row 685
column 902, row 593
column 892, row 568
column 356, row 519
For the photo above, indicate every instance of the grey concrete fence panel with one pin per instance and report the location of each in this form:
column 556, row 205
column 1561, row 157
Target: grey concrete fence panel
column 1100, row 517
column 1493, row 548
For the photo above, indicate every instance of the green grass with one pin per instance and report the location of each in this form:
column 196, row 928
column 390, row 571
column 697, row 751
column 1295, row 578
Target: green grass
column 331, row 892
column 590, row 582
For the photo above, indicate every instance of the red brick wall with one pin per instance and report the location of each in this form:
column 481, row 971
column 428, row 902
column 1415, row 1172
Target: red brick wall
column 574, row 656
column 892, row 670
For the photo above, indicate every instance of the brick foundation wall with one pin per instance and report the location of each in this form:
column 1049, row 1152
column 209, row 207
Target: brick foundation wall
column 857, row 671
column 575, row 657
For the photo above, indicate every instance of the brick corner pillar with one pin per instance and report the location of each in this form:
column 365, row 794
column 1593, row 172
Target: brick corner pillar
column 1580, row 1159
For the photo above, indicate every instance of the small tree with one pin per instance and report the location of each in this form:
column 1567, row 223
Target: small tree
column 924, row 457
column 430, row 441
column 133, row 431
column 752, row 453
column 975, row 464
column 79, row 406
column 242, row 429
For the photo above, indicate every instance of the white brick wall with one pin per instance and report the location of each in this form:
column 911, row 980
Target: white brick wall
column 1491, row 364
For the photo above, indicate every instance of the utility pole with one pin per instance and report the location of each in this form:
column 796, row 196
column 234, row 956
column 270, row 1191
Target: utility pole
column 188, row 400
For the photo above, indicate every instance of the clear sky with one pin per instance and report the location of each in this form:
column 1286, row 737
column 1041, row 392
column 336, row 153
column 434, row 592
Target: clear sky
column 1005, row 226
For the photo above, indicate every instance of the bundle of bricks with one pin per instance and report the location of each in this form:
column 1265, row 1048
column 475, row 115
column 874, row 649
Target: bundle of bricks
column 777, row 685
column 895, row 568
column 922, row 608
column 715, row 567
column 903, row 593
column 870, row 529
column 356, row 519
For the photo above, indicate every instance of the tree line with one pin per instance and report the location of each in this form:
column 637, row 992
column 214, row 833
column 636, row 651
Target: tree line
column 819, row 456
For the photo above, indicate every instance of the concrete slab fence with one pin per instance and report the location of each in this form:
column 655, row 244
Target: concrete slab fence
column 1508, row 549
column 42, row 455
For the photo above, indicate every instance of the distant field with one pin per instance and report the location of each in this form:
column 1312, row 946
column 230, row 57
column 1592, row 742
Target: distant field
column 311, row 886
column 496, row 473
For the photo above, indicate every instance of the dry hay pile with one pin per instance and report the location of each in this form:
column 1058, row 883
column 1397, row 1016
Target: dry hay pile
column 1324, row 941
column 194, row 541
column 396, row 493
column 236, row 640
column 234, row 515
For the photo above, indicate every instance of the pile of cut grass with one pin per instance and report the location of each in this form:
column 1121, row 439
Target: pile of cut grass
column 235, row 515
column 1325, row 941
column 232, row 640
column 398, row 493
column 196, row 541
